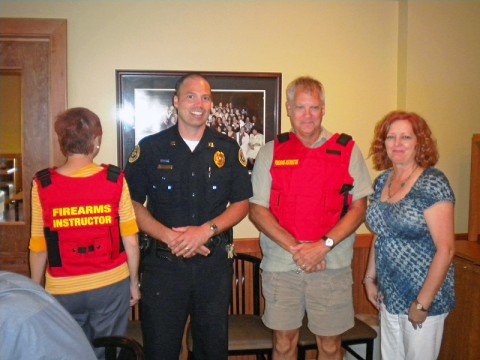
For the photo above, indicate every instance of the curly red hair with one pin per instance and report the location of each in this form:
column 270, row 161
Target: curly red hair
column 426, row 149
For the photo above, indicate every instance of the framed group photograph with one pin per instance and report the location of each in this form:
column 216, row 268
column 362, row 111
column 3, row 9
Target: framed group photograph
column 245, row 106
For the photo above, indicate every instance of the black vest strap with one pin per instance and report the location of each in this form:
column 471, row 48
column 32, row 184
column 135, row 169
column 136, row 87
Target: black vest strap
column 344, row 190
column 113, row 173
column 53, row 247
column 283, row 137
column 44, row 177
column 343, row 139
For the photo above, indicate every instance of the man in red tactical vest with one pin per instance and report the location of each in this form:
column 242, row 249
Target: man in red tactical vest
column 310, row 191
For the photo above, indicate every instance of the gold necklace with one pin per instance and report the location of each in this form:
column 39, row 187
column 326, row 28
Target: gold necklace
column 402, row 184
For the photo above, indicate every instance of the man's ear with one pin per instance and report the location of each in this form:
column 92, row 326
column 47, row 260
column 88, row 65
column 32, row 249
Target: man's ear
column 288, row 108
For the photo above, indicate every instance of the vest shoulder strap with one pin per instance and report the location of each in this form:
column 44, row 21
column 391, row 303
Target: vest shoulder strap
column 344, row 139
column 113, row 173
column 283, row 137
column 44, row 177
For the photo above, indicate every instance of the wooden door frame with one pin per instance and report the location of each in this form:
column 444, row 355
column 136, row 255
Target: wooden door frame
column 53, row 32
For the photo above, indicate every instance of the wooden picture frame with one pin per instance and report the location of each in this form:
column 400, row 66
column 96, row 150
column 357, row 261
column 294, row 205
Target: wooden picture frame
column 145, row 102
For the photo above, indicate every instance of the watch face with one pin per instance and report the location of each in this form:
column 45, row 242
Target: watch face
column 214, row 228
column 419, row 306
column 329, row 242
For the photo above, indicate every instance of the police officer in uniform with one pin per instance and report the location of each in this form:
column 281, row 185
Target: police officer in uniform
column 195, row 187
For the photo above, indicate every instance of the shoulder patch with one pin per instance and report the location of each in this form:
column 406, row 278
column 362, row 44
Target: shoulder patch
column 241, row 158
column 134, row 155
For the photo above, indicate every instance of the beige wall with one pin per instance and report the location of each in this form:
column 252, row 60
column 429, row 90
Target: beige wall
column 443, row 84
column 372, row 56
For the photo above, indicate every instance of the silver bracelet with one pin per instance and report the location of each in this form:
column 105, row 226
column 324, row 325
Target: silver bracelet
column 365, row 279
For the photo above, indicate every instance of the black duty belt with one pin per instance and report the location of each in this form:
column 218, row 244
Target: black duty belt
column 161, row 250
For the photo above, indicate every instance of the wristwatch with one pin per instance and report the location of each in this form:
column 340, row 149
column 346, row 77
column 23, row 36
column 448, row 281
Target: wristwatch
column 419, row 306
column 329, row 242
column 214, row 228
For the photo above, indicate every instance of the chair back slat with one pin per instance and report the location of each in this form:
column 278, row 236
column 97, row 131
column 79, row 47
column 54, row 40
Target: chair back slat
column 246, row 289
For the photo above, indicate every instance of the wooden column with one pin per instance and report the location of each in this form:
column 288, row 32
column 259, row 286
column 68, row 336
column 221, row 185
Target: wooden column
column 462, row 327
column 474, row 211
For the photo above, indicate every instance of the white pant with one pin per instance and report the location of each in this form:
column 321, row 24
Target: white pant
column 400, row 341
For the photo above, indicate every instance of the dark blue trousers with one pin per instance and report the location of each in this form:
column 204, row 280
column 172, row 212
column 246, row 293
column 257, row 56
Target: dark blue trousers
column 174, row 289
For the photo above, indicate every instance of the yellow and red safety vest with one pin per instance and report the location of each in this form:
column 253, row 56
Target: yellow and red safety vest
column 81, row 221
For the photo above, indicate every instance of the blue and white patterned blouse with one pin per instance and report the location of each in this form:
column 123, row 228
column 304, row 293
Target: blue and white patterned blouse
column 404, row 248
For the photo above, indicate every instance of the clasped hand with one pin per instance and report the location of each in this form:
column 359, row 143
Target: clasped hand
column 189, row 241
column 309, row 257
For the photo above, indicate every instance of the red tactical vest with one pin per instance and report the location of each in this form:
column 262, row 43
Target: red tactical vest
column 310, row 187
column 81, row 221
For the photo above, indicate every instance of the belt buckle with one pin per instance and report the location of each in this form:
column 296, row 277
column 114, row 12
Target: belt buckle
column 162, row 251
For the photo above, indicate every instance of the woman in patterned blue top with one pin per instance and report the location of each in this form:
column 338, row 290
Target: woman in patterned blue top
column 409, row 276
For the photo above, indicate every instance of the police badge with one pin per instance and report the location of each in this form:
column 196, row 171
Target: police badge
column 219, row 159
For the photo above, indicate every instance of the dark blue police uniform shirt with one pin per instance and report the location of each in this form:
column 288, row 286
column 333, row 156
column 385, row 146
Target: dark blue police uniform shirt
column 183, row 187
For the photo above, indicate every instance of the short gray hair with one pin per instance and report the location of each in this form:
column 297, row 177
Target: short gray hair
column 305, row 83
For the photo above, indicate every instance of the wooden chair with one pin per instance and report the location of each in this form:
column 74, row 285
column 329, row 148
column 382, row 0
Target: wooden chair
column 361, row 333
column 134, row 331
column 120, row 348
column 247, row 335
